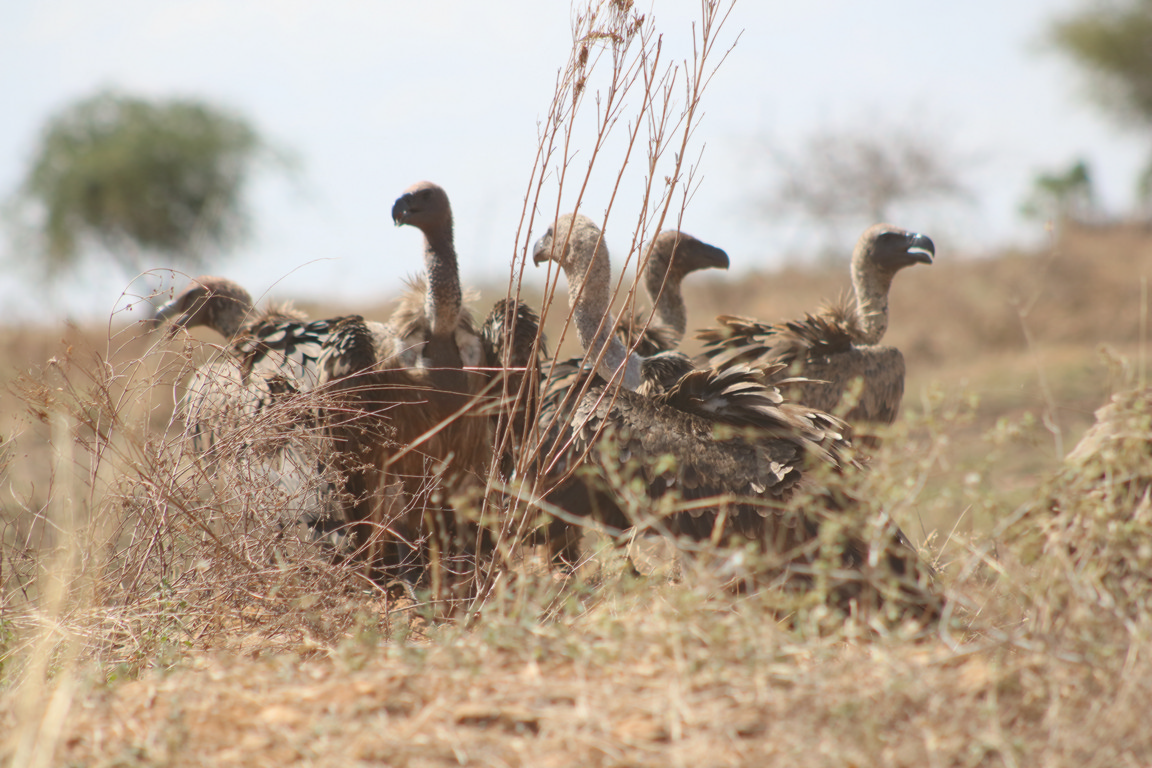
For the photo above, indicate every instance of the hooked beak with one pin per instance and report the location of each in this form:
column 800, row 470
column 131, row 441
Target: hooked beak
column 165, row 313
column 542, row 250
column 402, row 209
column 715, row 258
column 921, row 249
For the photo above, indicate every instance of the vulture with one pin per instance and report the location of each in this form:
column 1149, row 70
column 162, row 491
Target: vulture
column 417, row 430
column 672, row 255
column 839, row 344
column 272, row 353
column 720, row 442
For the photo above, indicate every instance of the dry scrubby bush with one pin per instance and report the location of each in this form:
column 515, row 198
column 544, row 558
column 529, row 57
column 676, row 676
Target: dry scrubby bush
column 1090, row 530
column 155, row 560
column 162, row 551
column 166, row 554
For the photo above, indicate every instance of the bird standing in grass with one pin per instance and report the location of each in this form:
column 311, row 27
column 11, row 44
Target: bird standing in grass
column 418, row 427
column 243, row 406
column 840, row 344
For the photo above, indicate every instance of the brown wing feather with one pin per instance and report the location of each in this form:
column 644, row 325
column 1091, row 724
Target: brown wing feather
column 821, row 349
column 390, row 427
column 745, row 341
column 719, row 440
column 411, row 431
column 514, row 351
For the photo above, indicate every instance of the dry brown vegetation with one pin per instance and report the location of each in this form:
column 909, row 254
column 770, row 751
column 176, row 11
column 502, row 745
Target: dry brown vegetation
column 151, row 614
column 229, row 660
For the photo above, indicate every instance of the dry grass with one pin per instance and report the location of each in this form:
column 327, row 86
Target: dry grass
column 688, row 686
column 152, row 613
column 220, row 655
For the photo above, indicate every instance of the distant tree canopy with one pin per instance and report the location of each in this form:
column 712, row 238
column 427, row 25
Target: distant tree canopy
column 1113, row 42
column 1064, row 196
column 860, row 175
column 135, row 175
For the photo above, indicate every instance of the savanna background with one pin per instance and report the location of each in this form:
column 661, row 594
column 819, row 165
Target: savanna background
column 145, row 619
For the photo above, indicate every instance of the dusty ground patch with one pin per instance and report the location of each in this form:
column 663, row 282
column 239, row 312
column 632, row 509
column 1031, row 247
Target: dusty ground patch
column 640, row 700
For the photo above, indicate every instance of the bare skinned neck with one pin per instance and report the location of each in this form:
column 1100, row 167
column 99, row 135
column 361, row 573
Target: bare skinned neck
column 589, row 296
column 444, row 299
column 871, row 286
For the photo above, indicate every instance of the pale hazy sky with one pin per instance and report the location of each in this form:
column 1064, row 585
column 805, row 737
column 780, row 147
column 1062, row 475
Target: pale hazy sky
column 374, row 95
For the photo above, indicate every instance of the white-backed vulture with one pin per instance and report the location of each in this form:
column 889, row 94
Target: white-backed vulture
column 435, row 377
column 838, row 345
column 721, row 443
column 672, row 256
column 271, row 354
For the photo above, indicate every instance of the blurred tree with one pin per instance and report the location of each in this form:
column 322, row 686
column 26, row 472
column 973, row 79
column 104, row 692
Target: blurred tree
column 861, row 175
column 1067, row 196
column 1144, row 192
column 133, row 175
column 1112, row 41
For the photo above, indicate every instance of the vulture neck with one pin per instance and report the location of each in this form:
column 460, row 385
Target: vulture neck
column 233, row 313
column 589, row 296
column 668, row 308
column 443, row 301
column 871, row 287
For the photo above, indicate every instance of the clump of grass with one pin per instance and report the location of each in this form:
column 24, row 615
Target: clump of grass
column 173, row 552
column 1089, row 532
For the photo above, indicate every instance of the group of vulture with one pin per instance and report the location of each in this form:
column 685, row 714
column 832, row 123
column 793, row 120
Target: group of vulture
column 400, row 434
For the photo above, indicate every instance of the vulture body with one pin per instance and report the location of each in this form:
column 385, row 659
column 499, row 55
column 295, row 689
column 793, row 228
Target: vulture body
column 720, row 442
column 840, row 344
column 417, row 429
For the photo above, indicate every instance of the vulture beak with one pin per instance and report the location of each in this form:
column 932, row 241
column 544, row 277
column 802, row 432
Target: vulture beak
column 715, row 258
column 920, row 248
column 166, row 312
column 401, row 209
column 542, row 250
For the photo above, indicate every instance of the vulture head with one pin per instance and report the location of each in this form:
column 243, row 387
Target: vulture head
column 215, row 302
column 425, row 206
column 573, row 242
column 889, row 249
column 675, row 254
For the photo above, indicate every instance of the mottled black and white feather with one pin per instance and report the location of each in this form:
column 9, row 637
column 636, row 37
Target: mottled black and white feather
column 253, row 406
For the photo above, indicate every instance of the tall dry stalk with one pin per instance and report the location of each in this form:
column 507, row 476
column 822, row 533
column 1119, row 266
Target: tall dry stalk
column 616, row 97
